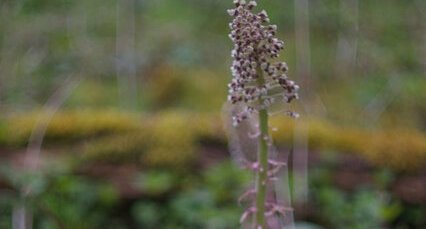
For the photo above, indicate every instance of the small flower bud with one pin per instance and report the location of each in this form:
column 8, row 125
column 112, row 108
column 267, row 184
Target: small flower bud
column 232, row 12
column 251, row 5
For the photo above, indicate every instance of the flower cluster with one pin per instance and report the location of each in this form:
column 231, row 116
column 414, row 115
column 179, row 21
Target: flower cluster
column 257, row 81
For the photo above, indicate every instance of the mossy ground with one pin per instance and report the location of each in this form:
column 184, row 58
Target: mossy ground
column 171, row 138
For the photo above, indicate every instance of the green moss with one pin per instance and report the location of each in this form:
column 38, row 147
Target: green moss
column 398, row 149
column 165, row 141
column 170, row 139
column 3, row 132
column 208, row 128
column 70, row 126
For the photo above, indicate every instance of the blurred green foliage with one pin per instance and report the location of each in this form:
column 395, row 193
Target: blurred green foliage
column 368, row 205
column 375, row 110
column 182, row 62
column 193, row 200
column 58, row 199
column 204, row 204
column 67, row 199
column 341, row 212
column 156, row 183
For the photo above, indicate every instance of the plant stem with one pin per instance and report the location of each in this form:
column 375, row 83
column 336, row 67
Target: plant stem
column 261, row 176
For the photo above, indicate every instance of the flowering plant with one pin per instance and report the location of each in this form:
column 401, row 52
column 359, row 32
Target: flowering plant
column 258, row 85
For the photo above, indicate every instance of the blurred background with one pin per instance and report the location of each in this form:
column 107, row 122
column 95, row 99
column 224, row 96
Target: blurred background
column 110, row 113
